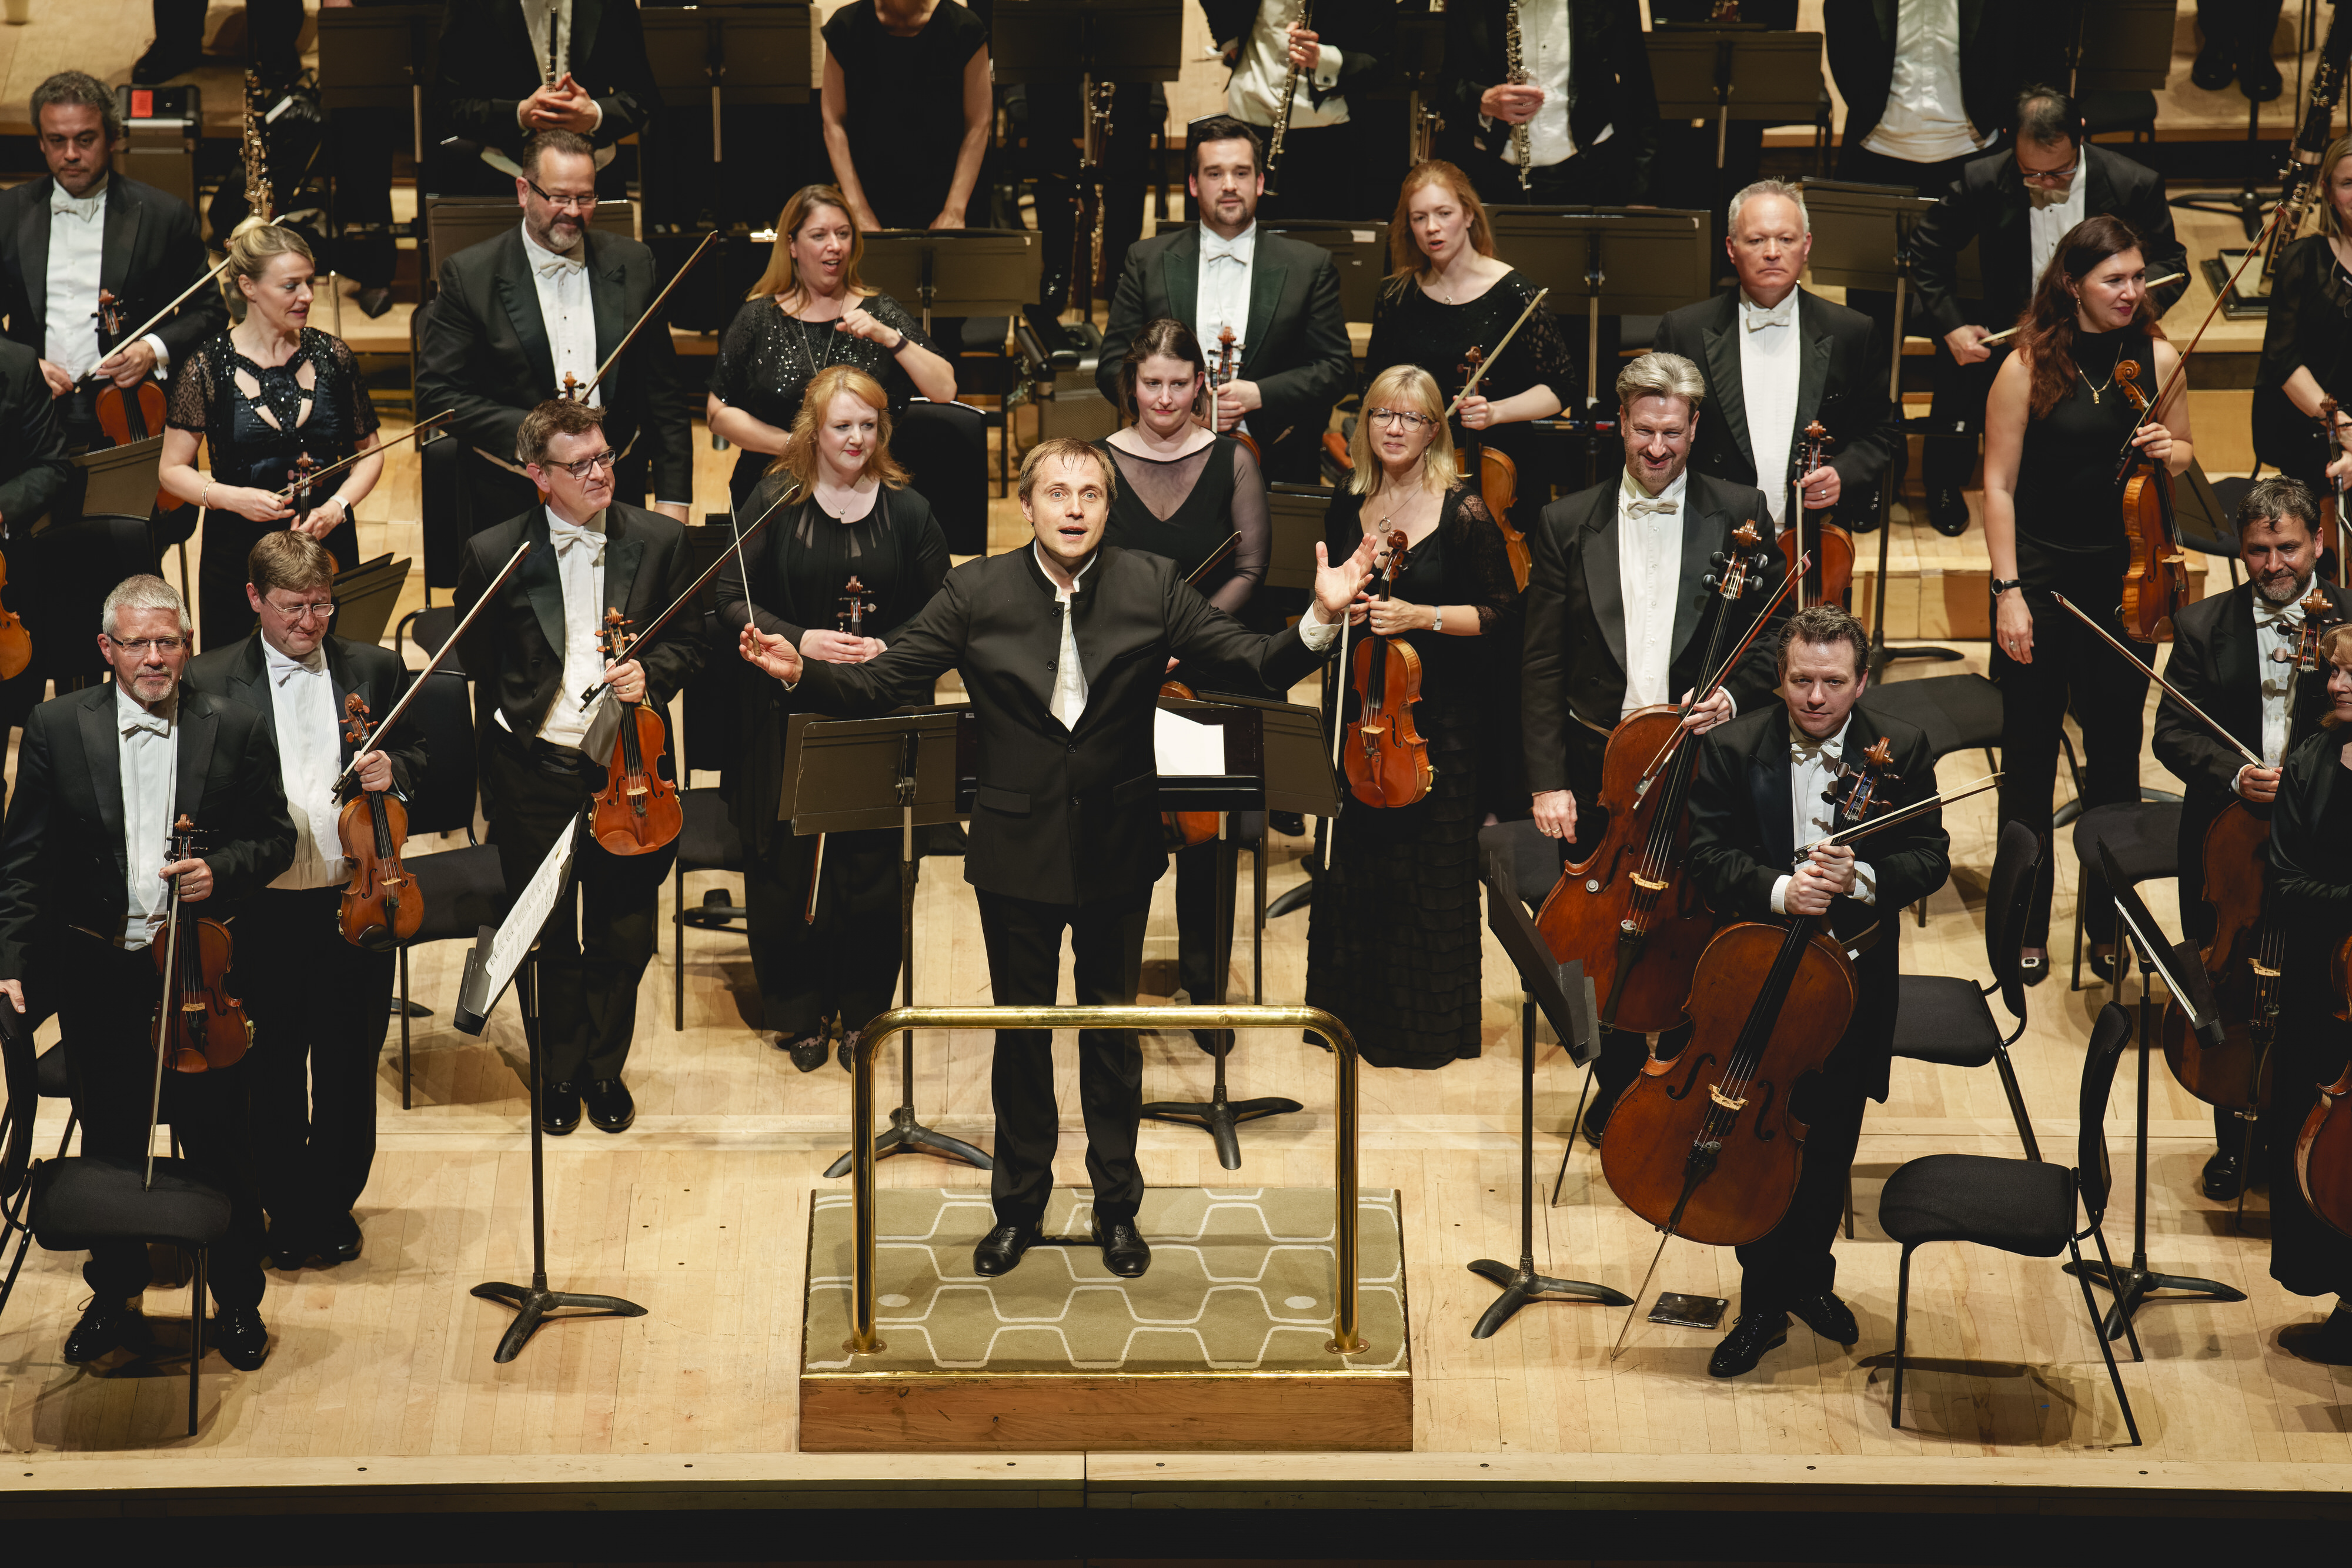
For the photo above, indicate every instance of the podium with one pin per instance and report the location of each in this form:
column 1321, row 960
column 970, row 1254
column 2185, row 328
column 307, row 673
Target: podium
column 858, row 774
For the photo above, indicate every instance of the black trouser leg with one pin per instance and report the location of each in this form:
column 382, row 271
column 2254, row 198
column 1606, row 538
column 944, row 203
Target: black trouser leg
column 180, row 26
column 1794, row 1261
column 1025, row 947
column 846, row 961
column 1949, row 455
column 362, row 146
column 1200, row 958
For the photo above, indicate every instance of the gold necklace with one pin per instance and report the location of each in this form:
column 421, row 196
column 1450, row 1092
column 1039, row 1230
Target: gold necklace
column 2095, row 390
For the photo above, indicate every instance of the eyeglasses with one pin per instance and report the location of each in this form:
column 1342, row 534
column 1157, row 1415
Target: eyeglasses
column 2049, row 176
column 586, row 465
column 568, row 204
column 1401, row 416
column 310, row 608
column 143, row 646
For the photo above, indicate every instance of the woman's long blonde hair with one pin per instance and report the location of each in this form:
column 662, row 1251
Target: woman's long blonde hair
column 253, row 245
column 799, row 458
column 783, row 278
column 1413, row 389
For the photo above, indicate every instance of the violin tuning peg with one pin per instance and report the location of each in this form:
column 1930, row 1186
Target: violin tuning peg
column 1715, row 560
column 1712, row 579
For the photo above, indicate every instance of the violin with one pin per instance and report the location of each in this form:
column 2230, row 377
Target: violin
column 382, row 905
column 2323, row 1149
column 15, row 642
column 302, row 486
column 1387, row 760
column 132, row 414
column 2156, row 582
column 199, row 1026
column 1498, row 479
column 1769, row 1004
column 637, row 810
column 1625, row 910
column 1832, row 547
column 1227, row 366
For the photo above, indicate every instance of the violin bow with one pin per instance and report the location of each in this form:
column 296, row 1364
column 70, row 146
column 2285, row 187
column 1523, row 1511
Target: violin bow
column 1708, row 688
column 1488, row 363
column 2181, row 370
column 1901, row 814
column 2162, row 684
column 376, row 451
column 2007, row 333
column 631, row 336
column 1216, row 555
column 156, row 319
column 733, row 553
column 416, row 686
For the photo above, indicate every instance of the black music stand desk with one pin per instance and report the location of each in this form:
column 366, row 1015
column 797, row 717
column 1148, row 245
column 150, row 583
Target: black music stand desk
column 1620, row 261
column 1735, row 72
column 1062, row 40
column 851, row 775
column 956, row 272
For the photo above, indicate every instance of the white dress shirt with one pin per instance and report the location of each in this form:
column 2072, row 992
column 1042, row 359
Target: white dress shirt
column 579, row 561
column 77, row 255
column 560, row 283
column 1769, row 349
column 149, row 756
column 1811, row 768
column 2051, row 215
column 1926, row 119
column 538, row 17
column 1649, row 578
column 1254, row 93
column 1223, row 294
column 1546, row 57
column 2278, row 676
column 310, row 755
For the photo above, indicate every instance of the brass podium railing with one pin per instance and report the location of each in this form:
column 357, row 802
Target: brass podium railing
column 862, row 1339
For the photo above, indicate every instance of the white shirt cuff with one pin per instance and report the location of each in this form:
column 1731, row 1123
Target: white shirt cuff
column 1732, row 700
column 1328, row 61
column 1316, row 634
column 163, row 355
column 2238, row 781
column 1865, row 884
column 599, row 109
column 1780, row 895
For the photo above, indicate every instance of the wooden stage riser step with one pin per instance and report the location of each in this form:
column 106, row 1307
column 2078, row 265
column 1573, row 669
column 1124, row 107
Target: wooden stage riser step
column 1236, row 1413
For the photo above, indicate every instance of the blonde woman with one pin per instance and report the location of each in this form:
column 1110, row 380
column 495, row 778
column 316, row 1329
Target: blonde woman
column 810, row 311
column 1394, row 936
column 855, row 522
column 262, row 395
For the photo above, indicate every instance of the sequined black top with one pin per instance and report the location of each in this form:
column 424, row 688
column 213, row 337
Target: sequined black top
column 767, row 358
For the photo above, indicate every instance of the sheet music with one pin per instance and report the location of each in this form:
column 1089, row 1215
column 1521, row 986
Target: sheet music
column 1186, row 748
column 513, row 941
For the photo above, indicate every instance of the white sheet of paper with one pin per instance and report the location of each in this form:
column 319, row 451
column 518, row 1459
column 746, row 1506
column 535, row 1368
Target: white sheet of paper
column 1186, row 747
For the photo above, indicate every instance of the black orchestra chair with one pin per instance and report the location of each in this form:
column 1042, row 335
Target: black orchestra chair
column 2026, row 1207
column 2145, row 837
column 944, row 447
column 1956, row 713
column 431, row 627
column 708, row 842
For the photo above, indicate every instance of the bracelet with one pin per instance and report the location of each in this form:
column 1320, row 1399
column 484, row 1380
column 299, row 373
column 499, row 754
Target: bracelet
column 202, row 494
column 1439, row 624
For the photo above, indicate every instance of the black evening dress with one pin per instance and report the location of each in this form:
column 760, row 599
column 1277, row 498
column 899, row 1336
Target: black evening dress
column 844, row 962
column 1392, row 938
column 255, row 423
column 2311, row 857
column 904, row 114
column 2310, row 325
column 766, row 358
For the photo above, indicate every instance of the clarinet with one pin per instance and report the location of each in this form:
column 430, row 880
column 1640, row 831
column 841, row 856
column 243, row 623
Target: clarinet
column 2299, row 183
column 1289, row 91
column 1516, row 73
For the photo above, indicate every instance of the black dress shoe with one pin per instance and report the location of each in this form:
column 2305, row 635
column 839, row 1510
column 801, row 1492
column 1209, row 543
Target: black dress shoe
column 2033, row 971
column 338, row 1242
column 289, row 1249
column 2328, row 1343
column 1001, row 1249
column 2259, row 79
column 558, row 1109
column 2213, row 68
column 1745, row 1346
column 373, row 302
column 1124, row 1251
column 2102, row 965
column 105, row 1326
column 809, row 1054
column 610, row 1105
column 1948, row 510
column 1828, row 1317
column 240, row 1336
column 1596, row 1119
column 2225, row 1176
column 160, row 65
column 1294, row 823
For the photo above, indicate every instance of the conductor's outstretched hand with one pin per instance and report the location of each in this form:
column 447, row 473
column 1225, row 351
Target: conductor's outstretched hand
column 770, row 652
column 1337, row 583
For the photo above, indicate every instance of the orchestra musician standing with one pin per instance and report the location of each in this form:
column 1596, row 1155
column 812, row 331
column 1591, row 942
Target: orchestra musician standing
column 1756, row 802
column 837, row 573
column 1926, row 84
column 907, row 108
column 2307, row 339
column 532, row 654
column 102, row 775
column 35, row 475
column 1330, row 66
column 319, row 1003
column 1588, row 103
column 513, row 70
column 2056, row 426
column 1625, row 561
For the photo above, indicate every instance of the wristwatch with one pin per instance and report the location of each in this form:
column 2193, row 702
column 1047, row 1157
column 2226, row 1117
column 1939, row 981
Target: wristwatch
column 2001, row 585
column 1439, row 624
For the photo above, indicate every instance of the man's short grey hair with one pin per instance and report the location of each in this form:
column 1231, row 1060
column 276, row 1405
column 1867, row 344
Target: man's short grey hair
column 143, row 592
column 1662, row 375
column 1769, row 188
column 83, row 90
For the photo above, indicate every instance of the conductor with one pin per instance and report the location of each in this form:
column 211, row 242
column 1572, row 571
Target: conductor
column 1063, row 647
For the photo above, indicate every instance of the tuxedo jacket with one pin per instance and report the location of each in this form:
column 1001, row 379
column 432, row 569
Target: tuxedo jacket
column 151, row 251
column 1609, row 76
column 33, row 468
column 61, row 854
column 1363, row 31
column 489, row 66
column 1990, row 204
column 2217, row 663
column 1063, row 816
column 485, row 353
column 1858, row 36
column 1572, row 682
column 1743, row 839
column 1295, row 345
column 238, row 674
column 515, row 651
column 1841, row 381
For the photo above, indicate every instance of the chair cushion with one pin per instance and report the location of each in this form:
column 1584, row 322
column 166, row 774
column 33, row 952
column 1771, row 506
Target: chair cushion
column 1942, row 1019
column 708, row 841
column 1959, row 713
column 55, row 1084
column 464, row 890
column 99, row 1197
column 2143, row 835
column 2018, row 1206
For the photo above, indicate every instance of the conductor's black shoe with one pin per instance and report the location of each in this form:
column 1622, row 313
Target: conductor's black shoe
column 2225, row 1176
column 809, row 1054
column 240, row 1336
column 373, row 302
column 1828, row 1317
column 1948, row 510
column 2259, row 79
column 1596, row 1119
column 1745, row 1346
column 160, row 65
column 107, row 1325
column 2328, row 1343
column 1001, row 1249
column 610, row 1106
column 558, row 1109
column 2213, row 68
column 1124, row 1251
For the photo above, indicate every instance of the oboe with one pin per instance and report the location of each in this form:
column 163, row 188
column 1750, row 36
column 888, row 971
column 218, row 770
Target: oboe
column 1289, row 91
column 1517, row 73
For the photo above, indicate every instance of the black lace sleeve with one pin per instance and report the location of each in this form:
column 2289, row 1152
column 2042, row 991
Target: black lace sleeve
column 1474, row 537
column 192, row 390
column 359, row 409
column 1552, row 364
column 1252, row 520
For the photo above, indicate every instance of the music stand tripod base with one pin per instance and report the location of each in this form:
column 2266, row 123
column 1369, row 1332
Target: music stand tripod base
column 533, row 1303
column 908, row 1137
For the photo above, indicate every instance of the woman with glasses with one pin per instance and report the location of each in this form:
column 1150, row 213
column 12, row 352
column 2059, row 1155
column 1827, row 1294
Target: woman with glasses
column 1392, row 944
column 262, row 396
column 808, row 313
column 838, row 571
column 2307, row 341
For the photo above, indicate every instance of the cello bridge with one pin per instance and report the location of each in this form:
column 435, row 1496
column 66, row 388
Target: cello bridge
column 1725, row 1100
column 1646, row 885
column 2261, row 970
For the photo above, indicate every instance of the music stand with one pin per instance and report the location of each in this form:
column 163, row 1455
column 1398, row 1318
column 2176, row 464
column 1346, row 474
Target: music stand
column 851, row 775
column 1359, row 255
column 1862, row 239
column 366, row 595
column 119, row 481
column 1275, row 758
column 1108, row 40
column 2183, row 973
column 1620, row 261
column 504, row 953
column 738, row 56
column 379, row 56
column 1724, row 73
column 1565, row 995
column 957, row 272
column 1295, row 515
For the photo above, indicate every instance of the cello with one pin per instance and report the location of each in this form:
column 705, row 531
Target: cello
column 381, row 906
column 637, row 812
column 1832, row 547
column 2323, row 1147
column 2155, row 582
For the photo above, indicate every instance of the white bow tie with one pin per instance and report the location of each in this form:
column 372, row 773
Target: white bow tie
column 1830, row 752
column 1784, row 314
column 152, row 723
column 1641, row 504
column 559, row 266
column 1221, row 250
column 77, row 206
column 566, row 534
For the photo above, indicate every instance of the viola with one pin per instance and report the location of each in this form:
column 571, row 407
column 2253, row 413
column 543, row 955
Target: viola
column 302, row 486
column 1626, row 911
column 199, row 1026
column 131, row 414
column 382, row 905
column 1498, row 487
column 1227, row 366
column 1387, row 760
column 15, row 642
column 2323, row 1148
column 1832, row 547
column 637, row 812
column 2156, row 582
